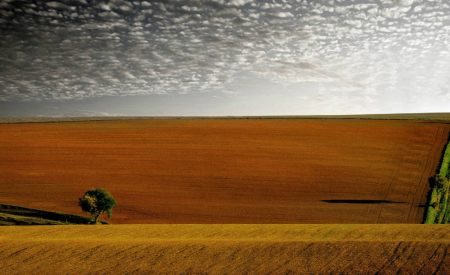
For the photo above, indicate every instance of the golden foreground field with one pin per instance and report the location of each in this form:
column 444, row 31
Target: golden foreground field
column 226, row 170
column 231, row 249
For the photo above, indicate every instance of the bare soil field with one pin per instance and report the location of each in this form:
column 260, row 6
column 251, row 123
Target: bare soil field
column 225, row 249
column 226, row 170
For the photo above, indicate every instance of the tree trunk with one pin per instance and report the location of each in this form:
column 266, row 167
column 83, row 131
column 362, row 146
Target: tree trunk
column 96, row 218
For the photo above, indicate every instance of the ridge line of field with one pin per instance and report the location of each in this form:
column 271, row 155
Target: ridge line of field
column 218, row 241
column 149, row 232
column 425, row 117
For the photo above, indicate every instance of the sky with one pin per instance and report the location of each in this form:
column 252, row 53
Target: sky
column 223, row 57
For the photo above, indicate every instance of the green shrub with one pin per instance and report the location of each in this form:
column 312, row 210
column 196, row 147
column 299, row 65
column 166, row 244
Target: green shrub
column 440, row 183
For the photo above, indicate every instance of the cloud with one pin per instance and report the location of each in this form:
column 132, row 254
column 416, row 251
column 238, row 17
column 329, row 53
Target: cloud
column 64, row 50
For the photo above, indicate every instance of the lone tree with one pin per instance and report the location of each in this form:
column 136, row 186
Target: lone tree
column 96, row 202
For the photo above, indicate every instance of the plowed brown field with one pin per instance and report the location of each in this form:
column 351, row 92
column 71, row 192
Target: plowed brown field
column 225, row 249
column 226, row 170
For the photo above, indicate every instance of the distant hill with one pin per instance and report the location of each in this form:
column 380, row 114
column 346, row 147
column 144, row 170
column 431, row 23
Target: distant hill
column 412, row 116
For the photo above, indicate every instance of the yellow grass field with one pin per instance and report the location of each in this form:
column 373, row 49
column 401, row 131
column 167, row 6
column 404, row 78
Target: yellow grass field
column 231, row 249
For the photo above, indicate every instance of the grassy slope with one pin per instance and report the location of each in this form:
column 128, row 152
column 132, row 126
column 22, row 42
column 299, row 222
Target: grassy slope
column 440, row 196
column 233, row 249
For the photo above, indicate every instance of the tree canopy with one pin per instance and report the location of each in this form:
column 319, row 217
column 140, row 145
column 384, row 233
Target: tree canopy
column 96, row 202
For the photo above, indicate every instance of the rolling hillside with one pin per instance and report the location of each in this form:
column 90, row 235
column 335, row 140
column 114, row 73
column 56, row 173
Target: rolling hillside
column 227, row 170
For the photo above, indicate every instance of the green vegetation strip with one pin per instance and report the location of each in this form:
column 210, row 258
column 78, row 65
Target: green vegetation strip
column 438, row 210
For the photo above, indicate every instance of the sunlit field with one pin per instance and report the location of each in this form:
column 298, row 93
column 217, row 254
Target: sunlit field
column 232, row 249
column 226, row 170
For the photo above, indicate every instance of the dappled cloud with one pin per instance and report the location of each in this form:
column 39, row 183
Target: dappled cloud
column 81, row 49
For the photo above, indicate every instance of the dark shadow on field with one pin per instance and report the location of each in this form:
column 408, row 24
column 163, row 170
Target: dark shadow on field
column 362, row 201
column 17, row 215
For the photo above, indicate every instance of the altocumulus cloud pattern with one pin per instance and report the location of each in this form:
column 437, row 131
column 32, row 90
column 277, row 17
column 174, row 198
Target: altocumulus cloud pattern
column 88, row 48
